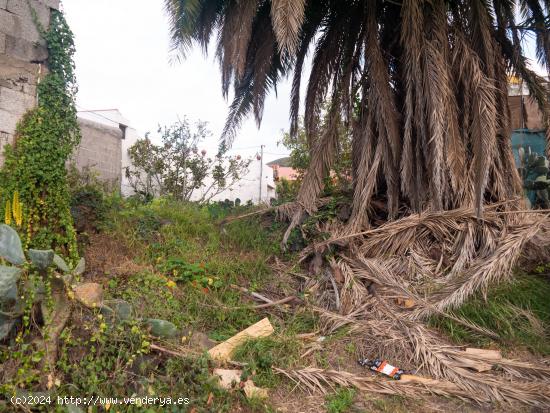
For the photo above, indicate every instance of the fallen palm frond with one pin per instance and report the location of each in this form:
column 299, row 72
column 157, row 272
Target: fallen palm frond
column 404, row 340
column 317, row 380
column 397, row 275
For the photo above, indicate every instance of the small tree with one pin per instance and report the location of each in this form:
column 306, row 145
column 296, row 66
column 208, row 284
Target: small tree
column 338, row 178
column 178, row 168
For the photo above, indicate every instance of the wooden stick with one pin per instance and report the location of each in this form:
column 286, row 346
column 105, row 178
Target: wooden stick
column 252, row 293
column 250, row 214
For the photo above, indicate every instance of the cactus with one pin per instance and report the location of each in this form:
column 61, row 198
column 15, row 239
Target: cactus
column 11, row 252
column 534, row 169
column 41, row 259
column 116, row 310
column 10, row 246
column 161, row 328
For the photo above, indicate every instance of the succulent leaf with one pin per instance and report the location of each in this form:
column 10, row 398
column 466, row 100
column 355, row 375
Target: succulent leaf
column 8, row 279
column 80, row 267
column 60, row 263
column 161, row 328
column 10, row 246
column 41, row 259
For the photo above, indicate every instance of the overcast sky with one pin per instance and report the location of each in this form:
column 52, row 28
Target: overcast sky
column 123, row 62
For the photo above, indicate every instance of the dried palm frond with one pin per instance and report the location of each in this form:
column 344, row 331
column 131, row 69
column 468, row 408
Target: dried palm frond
column 287, row 17
column 491, row 270
column 317, row 380
column 422, row 84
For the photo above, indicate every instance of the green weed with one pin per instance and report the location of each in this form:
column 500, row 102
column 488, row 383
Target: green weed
column 261, row 354
column 340, row 401
column 519, row 311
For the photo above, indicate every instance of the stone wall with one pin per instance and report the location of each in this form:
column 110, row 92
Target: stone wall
column 100, row 150
column 22, row 57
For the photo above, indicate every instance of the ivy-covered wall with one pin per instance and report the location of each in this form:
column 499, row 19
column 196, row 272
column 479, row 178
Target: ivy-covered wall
column 23, row 52
column 34, row 167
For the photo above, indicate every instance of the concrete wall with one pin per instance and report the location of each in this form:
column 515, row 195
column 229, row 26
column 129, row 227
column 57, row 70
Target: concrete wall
column 113, row 118
column 100, row 150
column 527, row 115
column 22, row 57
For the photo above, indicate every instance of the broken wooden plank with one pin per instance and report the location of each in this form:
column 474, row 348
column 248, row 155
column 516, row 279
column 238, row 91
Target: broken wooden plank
column 224, row 351
column 476, row 365
column 484, row 353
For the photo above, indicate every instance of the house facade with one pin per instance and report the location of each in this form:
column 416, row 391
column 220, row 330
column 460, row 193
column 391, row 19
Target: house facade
column 256, row 186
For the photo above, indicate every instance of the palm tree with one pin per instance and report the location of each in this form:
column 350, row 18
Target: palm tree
column 421, row 83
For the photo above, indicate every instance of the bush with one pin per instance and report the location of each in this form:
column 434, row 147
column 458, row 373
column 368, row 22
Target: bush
column 89, row 199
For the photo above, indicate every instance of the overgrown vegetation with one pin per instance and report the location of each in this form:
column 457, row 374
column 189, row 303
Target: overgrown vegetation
column 518, row 310
column 45, row 138
column 177, row 167
column 340, row 401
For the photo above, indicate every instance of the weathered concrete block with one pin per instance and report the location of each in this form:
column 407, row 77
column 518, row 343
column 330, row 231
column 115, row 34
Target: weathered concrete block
column 100, row 150
column 9, row 22
column 3, row 4
column 22, row 8
column 25, row 50
column 15, row 101
column 8, row 122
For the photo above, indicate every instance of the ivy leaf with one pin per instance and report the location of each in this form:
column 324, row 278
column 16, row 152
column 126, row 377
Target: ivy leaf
column 42, row 259
column 10, row 246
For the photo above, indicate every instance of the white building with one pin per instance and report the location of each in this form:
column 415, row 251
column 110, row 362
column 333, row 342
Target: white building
column 255, row 187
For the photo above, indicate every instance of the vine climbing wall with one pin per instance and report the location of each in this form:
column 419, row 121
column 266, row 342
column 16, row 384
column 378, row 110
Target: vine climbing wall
column 23, row 53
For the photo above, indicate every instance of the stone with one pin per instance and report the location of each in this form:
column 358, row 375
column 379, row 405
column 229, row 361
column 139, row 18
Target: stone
column 89, row 294
column 231, row 379
column 9, row 22
column 14, row 101
column 25, row 50
column 197, row 340
column 52, row 4
column 8, row 122
column 223, row 351
column 228, row 379
column 27, row 27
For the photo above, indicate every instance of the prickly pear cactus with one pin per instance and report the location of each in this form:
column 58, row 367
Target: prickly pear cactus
column 534, row 170
column 10, row 246
column 11, row 252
